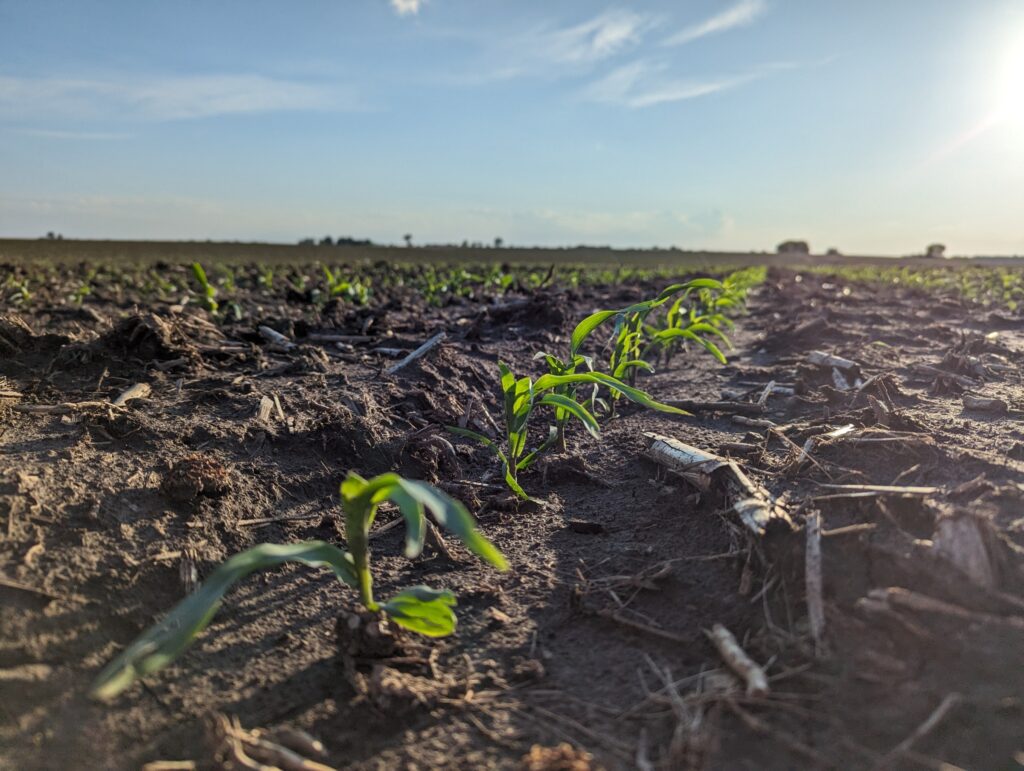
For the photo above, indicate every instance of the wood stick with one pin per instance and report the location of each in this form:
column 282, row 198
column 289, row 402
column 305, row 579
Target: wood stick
column 664, row 634
column 264, row 410
column 65, row 408
column 137, row 391
column 898, row 597
column 813, row 582
column 753, row 422
column 883, row 489
column 276, row 338
column 318, row 337
column 8, row 583
column 754, row 505
column 822, row 359
column 424, row 349
column 738, row 661
column 742, row 408
column 984, row 404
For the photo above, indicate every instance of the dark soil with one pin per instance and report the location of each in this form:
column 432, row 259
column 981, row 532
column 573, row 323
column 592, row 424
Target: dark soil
column 618, row 569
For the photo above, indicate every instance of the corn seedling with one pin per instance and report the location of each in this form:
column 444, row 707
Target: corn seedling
column 523, row 395
column 420, row 609
column 266, row 278
column 705, row 313
column 21, row 295
column 209, row 291
column 631, row 333
column 337, row 286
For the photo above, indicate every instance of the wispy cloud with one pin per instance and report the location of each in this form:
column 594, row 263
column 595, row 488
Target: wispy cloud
column 599, row 38
column 162, row 98
column 644, row 83
column 87, row 136
column 405, row 7
column 740, row 15
column 553, row 51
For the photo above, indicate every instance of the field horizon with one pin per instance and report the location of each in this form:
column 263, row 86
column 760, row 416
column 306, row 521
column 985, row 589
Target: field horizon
column 66, row 250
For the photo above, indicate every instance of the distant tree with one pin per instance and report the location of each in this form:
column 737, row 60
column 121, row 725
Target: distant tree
column 498, row 242
column 408, row 239
column 326, row 241
column 936, row 251
column 307, row 242
column 465, row 244
column 833, row 252
column 794, row 247
column 51, row 236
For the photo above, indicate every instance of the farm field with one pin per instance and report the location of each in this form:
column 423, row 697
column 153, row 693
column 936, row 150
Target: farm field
column 820, row 566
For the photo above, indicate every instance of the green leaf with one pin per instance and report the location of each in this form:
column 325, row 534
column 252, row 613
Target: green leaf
column 162, row 643
column 625, row 366
column 575, row 409
column 453, row 517
column 423, row 610
column 668, row 334
column 546, row 382
column 200, row 274
column 412, row 512
column 508, row 380
column 585, row 327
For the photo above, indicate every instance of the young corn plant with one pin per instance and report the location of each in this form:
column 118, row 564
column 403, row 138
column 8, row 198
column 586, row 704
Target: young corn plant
column 705, row 313
column 522, row 396
column 419, row 608
column 209, row 290
column 338, row 286
column 631, row 334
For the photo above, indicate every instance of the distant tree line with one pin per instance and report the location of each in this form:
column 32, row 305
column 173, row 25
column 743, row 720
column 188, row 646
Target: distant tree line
column 339, row 241
column 349, row 241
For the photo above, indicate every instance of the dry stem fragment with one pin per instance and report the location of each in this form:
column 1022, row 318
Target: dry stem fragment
column 822, row 359
column 424, row 349
column 754, row 505
column 985, row 404
column 738, row 661
column 137, row 391
column 813, row 582
column 275, row 338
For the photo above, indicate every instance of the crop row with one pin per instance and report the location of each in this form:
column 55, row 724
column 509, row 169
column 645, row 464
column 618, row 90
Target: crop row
column 572, row 388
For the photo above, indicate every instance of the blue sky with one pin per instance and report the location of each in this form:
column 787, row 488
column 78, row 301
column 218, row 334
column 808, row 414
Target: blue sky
column 871, row 126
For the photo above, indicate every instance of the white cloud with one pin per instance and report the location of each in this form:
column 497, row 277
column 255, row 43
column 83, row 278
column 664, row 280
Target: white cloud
column 162, row 98
column 740, row 15
column 643, row 83
column 405, row 7
column 599, row 38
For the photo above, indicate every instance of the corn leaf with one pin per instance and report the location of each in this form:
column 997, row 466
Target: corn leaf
column 575, row 409
column 547, row 382
column 452, row 516
column 423, row 610
column 159, row 645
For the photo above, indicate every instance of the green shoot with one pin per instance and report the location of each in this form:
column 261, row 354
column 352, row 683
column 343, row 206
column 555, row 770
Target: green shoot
column 523, row 395
column 337, row 286
column 421, row 609
column 209, row 291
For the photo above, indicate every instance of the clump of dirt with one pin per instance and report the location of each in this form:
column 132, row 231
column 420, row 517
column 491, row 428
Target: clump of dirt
column 147, row 336
column 194, row 476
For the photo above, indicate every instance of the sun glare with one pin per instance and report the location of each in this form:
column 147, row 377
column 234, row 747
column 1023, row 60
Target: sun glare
column 1010, row 84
